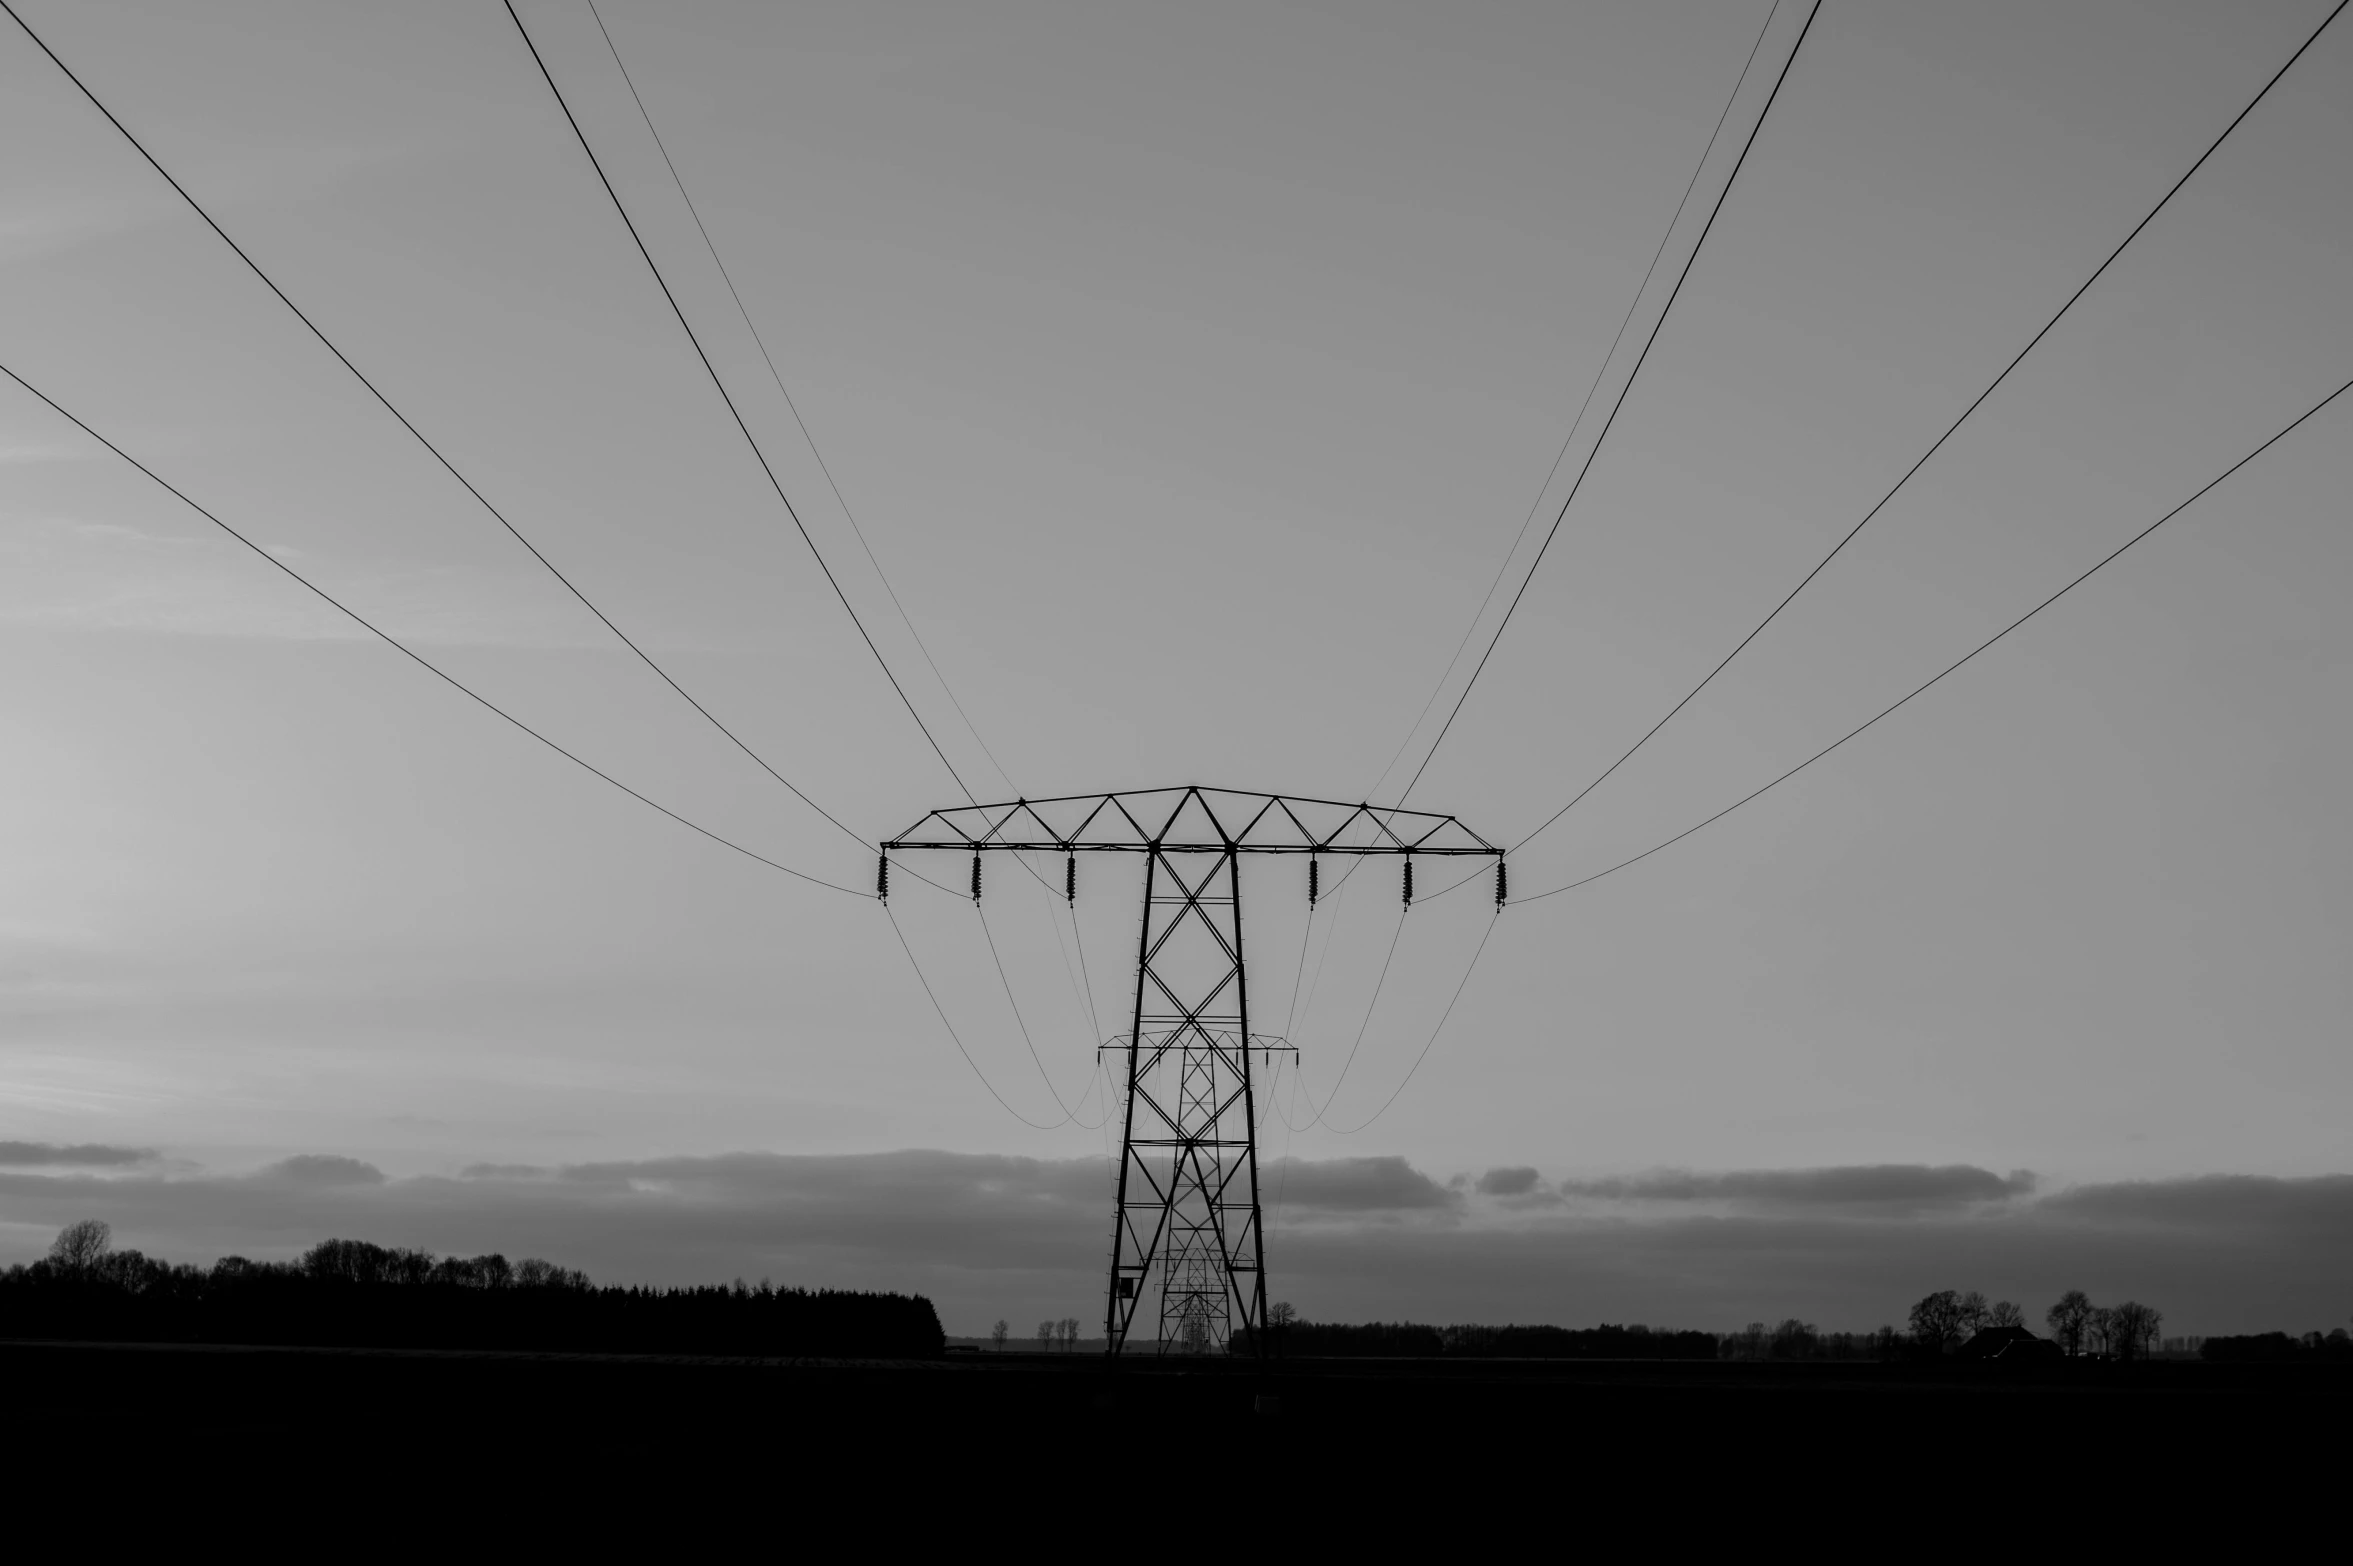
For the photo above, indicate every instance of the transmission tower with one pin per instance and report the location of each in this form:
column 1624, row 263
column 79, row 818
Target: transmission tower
column 1186, row 1218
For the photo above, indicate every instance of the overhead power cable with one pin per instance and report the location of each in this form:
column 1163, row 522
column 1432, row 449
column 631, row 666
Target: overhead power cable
column 1951, row 667
column 720, row 385
column 793, row 407
column 902, row 867
column 1938, row 444
column 1503, row 568
column 405, row 423
column 1370, row 1006
column 1069, row 1113
column 408, row 652
column 930, row 995
column 1005, row 979
column 1443, row 1017
column 1618, row 405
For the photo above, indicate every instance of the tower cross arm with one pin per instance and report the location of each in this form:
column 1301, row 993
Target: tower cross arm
column 1191, row 819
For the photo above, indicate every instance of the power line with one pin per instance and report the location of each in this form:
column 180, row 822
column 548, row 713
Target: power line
column 1619, row 404
column 1069, row 1114
column 1085, row 992
column 930, row 995
column 1443, row 1017
column 1094, row 1017
column 1949, row 429
column 720, row 386
column 1019, row 1021
column 1503, row 569
column 1949, row 668
column 402, row 648
column 1369, row 1007
column 903, row 867
column 793, row 407
column 405, row 423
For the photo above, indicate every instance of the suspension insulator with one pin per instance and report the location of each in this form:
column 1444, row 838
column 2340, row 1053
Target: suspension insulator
column 882, row 878
column 1502, row 885
column 1314, row 881
column 976, row 878
column 1070, row 880
column 1409, row 880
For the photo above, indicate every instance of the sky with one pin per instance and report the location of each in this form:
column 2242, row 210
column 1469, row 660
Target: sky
column 1190, row 373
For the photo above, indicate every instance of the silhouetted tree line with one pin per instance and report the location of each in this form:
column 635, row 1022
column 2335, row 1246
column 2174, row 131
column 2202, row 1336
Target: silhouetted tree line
column 1288, row 1336
column 1360, row 1340
column 1964, row 1323
column 1794, row 1339
column 350, row 1294
column 2279, row 1346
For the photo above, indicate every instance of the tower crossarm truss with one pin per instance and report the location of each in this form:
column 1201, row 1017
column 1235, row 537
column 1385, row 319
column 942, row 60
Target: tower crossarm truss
column 1192, row 820
column 1186, row 1224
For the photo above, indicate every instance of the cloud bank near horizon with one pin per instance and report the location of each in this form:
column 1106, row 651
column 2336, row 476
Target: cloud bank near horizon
column 1351, row 1238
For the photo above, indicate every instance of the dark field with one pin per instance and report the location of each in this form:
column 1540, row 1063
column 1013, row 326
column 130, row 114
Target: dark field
column 989, row 1418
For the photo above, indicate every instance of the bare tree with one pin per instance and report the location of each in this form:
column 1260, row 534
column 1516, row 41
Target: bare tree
column 999, row 1333
column 1045, row 1336
column 2005, row 1313
column 1969, row 1313
column 1936, row 1322
column 2100, row 1329
column 2070, row 1321
column 78, row 1246
column 1069, row 1334
column 2133, row 1330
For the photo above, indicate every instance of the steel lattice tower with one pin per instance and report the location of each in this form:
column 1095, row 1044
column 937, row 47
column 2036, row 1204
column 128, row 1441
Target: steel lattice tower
column 1187, row 1215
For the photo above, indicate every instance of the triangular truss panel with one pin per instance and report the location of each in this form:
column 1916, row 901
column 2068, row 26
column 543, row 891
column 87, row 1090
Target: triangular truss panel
column 1192, row 820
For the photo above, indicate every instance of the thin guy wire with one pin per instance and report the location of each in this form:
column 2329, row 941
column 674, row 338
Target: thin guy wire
column 1094, row 1017
column 1315, row 980
column 1456, row 886
column 1085, row 997
column 1619, row 404
column 1950, row 668
column 1370, row 1007
column 929, row 995
column 1299, row 972
column 1019, row 1020
column 720, row 385
column 402, row 648
column 902, row 865
column 777, row 376
column 373, row 390
column 1465, row 983
column 1820, row 565
column 1290, row 1140
column 1503, row 568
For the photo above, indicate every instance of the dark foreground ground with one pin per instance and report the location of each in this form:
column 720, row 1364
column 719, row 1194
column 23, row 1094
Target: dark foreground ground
column 1020, row 1421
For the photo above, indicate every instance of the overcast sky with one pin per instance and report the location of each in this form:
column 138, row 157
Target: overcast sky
column 1191, row 371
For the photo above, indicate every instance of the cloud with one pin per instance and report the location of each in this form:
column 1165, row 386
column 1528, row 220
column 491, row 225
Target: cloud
column 1507, row 1182
column 1361, row 1238
column 81, row 1155
column 1907, row 1187
column 2320, row 1209
column 323, row 1169
column 1356, row 1185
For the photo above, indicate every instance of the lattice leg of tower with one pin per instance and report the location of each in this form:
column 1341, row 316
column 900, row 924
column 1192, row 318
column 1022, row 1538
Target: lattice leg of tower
column 1187, row 1220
